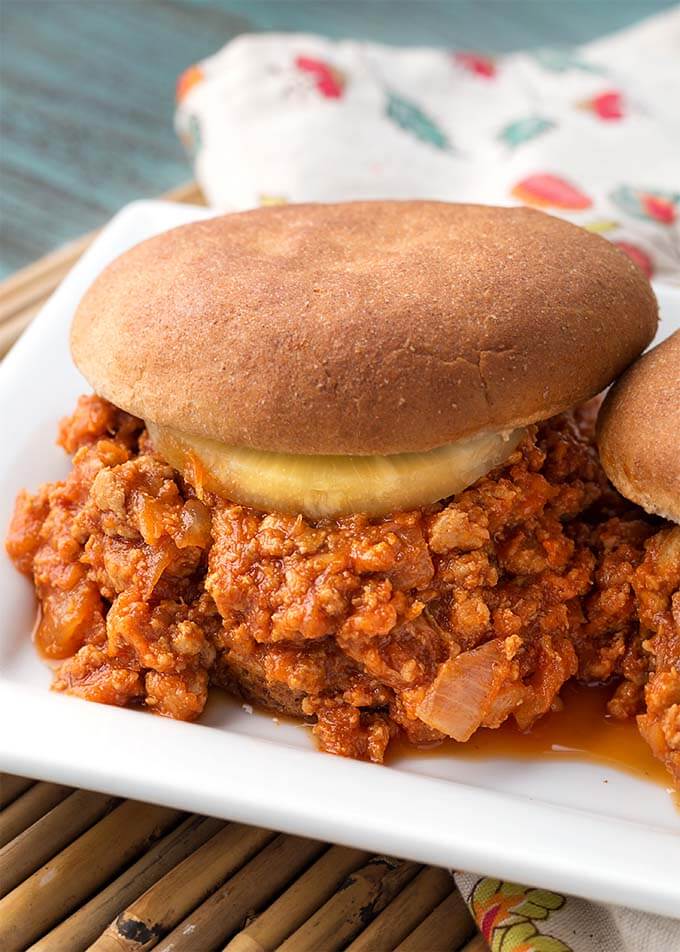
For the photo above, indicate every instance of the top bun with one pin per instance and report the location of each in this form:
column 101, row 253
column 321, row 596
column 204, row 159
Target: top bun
column 639, row 431
column 364, row 327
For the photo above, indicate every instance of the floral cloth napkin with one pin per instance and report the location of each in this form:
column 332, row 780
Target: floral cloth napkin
column 514, row 918
column 590, row 134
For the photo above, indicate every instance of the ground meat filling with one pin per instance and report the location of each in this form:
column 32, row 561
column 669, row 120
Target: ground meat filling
column 657, row 587
column 432, row 623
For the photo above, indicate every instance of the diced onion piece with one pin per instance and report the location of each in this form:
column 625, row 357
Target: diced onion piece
column 508, row 701
column 464, row 691
column 195, row 525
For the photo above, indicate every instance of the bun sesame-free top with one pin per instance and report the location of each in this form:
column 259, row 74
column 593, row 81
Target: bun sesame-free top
column 639, row 431
column 362, row 328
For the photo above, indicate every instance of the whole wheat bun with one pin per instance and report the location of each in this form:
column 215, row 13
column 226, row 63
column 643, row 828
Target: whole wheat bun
column 639, row 431
column 364, row 327
column 248, row 680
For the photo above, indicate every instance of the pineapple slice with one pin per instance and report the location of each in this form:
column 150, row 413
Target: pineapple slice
column 321, row 486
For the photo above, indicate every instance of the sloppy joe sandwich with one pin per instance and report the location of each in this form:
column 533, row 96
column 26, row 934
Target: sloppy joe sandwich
column 639, row 440
column 340, row 460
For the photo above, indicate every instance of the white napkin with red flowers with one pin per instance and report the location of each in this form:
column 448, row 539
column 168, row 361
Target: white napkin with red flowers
column 591, row 134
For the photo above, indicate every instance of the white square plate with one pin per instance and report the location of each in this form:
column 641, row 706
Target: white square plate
column 552, row 824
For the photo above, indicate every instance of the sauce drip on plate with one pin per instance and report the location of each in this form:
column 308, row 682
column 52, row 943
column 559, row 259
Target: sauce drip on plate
column 580, row 731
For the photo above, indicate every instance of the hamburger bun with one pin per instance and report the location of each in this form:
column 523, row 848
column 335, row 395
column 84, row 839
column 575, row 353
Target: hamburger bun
column 247, row 679
column 639, row 431
column 362, row 328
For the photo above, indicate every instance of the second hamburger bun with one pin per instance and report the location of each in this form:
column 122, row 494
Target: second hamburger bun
column 639, row 431
column 362, row 328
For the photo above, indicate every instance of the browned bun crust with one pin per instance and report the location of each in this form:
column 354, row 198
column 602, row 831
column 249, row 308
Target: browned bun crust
column 364, row 327
column 639, row 431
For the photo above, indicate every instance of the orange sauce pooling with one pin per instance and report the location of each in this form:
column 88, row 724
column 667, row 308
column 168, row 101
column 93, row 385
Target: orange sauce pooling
column 581, row 730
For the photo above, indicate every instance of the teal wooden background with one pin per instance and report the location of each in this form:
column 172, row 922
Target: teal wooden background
column 87, row 85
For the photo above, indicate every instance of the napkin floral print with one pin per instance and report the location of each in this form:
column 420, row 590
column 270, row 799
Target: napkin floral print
column 509, row 916
column 328, row 80
column 411, row 118
column 550, row 191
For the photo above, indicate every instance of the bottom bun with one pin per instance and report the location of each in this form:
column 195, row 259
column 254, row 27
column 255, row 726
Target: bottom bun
column 248, row 681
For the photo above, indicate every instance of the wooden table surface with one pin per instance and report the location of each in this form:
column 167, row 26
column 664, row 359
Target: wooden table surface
column 87, row 86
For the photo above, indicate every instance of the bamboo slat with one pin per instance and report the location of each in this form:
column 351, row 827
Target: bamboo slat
column 446, row 928
column 37, row 279
column 52, row 832
column 301, row 900
column 244, row 894
column 170, row 899
column 11, row 787
column 406, row 911
column 24, row 293
column 29, row 807
column 87, row 924
column 365, row 893
column 73, row 875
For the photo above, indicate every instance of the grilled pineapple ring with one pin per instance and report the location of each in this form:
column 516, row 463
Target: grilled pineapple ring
column 321, row 486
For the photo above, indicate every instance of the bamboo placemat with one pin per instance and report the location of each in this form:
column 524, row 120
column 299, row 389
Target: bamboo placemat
column 82, row 870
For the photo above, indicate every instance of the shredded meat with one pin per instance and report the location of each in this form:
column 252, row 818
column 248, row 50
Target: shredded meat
column 433, row 622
